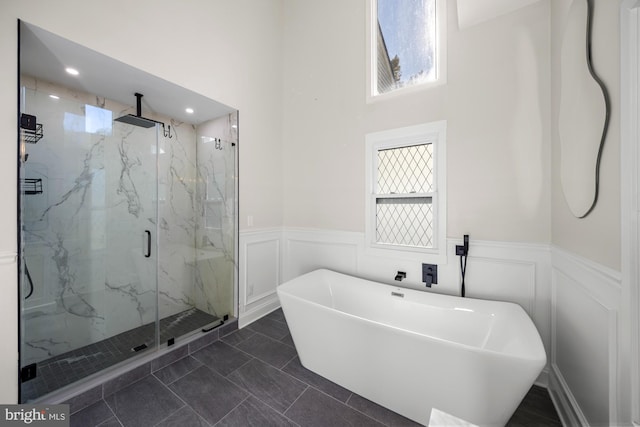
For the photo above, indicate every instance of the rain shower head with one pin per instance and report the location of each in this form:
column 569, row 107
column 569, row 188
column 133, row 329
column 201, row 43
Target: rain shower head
column 137, row 119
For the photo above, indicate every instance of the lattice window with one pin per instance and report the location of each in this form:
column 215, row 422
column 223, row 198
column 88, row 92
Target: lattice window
column 405, row 169
column 406, row 180
column 405, row 221
column 404, row 213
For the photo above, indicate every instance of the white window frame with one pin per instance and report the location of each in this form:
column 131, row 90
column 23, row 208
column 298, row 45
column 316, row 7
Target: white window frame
column 372, row 54
column 434, row 133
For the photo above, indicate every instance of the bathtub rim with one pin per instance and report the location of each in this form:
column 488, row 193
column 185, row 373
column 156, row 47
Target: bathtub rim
column 466, row 347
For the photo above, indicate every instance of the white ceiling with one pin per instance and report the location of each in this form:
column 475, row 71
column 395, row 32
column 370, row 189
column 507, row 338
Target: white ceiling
column 45, row 55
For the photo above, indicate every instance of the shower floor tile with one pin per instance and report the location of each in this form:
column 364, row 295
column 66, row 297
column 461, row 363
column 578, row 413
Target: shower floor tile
column 67, row 368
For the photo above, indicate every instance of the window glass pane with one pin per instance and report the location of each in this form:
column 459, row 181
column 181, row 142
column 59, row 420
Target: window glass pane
column 406, row 43
column 405, row 170
column 405, row 221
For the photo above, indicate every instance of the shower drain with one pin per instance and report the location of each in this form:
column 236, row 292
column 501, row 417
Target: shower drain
column 139, row 347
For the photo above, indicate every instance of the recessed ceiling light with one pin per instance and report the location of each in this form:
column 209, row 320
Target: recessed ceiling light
column 52, row 96
column 189, row 110
column 72, row 71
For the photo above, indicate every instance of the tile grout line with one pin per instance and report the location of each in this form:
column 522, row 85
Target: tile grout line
column 372, row 417
column 296, row 399
column 180, row 399
column 181, row 376
column 271, row 366
column 288, row 361
column 171, row 414
column 294, row 377
column 110, row 410
column 262, row 401
column 233, row 409
column 258, row 358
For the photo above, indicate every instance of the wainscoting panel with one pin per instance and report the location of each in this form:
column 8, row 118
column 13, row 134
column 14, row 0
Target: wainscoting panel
column 513, row 272
column 502, row 280
column 585, row 304
column 308, row 250
column 260, row 273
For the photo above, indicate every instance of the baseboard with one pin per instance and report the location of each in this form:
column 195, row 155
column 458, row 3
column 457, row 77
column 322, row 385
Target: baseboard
column 258, row 311
column 543, row 378
column 566, row 406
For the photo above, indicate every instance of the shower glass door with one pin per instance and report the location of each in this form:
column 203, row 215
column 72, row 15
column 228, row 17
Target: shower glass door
column 89, row 275
column 217, row 228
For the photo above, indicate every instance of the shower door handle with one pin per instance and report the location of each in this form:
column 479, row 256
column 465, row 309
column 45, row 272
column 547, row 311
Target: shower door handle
column 148, row 233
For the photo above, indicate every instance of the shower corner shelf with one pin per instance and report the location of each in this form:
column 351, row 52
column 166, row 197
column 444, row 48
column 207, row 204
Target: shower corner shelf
column 31, row 185
column 33, row 136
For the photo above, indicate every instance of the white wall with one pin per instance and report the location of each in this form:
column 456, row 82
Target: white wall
column 495, row 103
column 596, row 237
column 296, row 71
column 590, row 365
column 228, row 51
column 500, row 103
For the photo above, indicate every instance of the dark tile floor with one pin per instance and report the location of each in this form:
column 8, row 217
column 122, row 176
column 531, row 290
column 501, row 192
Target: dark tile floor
column 253, row 377
column 64, row 369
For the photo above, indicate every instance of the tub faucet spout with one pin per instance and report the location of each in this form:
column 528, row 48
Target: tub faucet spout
column 428, row 280
column 401, row 275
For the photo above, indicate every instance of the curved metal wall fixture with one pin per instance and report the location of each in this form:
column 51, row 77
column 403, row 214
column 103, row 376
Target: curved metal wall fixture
column 607, row 103
column 584, row 112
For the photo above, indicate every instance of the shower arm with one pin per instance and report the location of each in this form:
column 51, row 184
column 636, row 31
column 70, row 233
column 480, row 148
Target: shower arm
column 138, row 104
column 165, row 131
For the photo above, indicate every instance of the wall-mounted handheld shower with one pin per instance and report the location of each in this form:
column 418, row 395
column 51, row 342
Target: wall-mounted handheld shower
column 463, row 251
column 26, row 270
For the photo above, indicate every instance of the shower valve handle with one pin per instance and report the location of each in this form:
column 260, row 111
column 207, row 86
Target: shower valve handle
column 148, row 254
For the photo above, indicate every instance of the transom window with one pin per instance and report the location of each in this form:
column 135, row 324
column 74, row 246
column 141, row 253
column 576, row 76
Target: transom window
column 406, row 43
column 406, row 185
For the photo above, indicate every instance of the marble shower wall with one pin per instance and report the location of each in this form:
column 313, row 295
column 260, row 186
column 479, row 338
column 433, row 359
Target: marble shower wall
column 84, row 235
column 177, row 207
column 216, row 229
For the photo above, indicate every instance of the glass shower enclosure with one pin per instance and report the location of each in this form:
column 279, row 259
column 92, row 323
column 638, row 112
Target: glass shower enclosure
column 127, row 237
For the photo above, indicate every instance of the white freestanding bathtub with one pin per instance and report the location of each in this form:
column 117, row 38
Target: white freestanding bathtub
column 416, row 353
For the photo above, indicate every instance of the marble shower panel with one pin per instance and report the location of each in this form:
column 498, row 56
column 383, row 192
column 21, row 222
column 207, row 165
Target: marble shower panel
column 177, row 216
column 104, row 183
column 83, row 234
column 215, row 265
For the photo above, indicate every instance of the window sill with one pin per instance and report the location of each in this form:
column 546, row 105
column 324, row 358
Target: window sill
column 406, row 91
